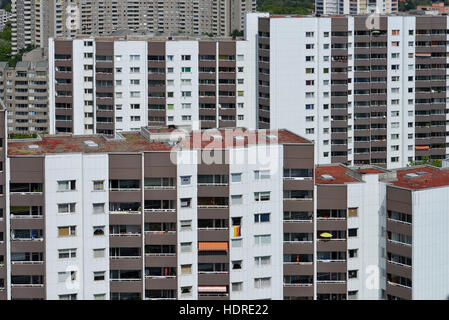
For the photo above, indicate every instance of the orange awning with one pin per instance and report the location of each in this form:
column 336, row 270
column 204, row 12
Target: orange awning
column 213, row 246
column 212, row 289
column 420, row 54
column 422, row 147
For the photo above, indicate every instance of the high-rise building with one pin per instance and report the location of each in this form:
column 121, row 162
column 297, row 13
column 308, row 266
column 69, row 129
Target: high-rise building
column 229, row 214
column 35, row 21
column 108, row 85
column 365, row 89
column 331, row 7
column 24, row 91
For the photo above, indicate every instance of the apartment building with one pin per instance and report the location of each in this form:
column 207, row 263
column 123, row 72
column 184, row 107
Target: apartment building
column 107, row 85
column 24, row 91
column 331, row 7
column 5, row 16
column 366, row 91
column 34, row 22
column 98, row 218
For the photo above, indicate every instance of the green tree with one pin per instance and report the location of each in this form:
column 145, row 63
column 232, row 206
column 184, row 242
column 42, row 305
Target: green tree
column 286, row 6
column 237, row 33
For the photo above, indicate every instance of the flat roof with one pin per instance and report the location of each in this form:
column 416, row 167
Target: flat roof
column 421, row 177
column 139, row 142
column 333, row 174
column 225, row 138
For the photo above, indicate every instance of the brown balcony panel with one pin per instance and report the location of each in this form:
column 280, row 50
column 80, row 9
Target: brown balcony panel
column 400, row 249
column 399, row 291
column 223, row 258
column 296, row 268
column 154, row 194
column 28, row 292
column 160, row 238
column 331, row 266
column 160, row 283
column 125, row 241
column 27, row 246
column 28, row 223
column 330, row 224
column 213, row 235
column 125, row 264
column 298, row 205
column 298, row 291
column 27, row 199
column 213, row 213
column 331, row 288
column 160, row 216
column 301, row 227
column 160, row 261
column 213, row 279
column 399, row 270
column 298, row 247
column 125, row 218
column 331, row 245
column 213, row 191
column 126, row 286
column 292, row 184
column 28, row 269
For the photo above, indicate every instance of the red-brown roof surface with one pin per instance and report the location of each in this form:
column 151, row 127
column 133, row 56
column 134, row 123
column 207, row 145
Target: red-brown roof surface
column 435, row 177
column 369, row 170
column 135, row 142
column 339, row 173
column 206, row 140
column 63, row 144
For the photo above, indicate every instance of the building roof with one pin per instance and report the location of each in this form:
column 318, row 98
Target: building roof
column 132, row 142
column 421, row 177
column 335, row 174
column 146, row 140
column 225, row 138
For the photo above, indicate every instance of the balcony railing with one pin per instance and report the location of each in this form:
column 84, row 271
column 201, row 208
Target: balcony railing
column 27, row 285
column 125, row 212
column 398, row 285
column 125, row 257
column 159, row 210
column 126, row 280
column 27, row 262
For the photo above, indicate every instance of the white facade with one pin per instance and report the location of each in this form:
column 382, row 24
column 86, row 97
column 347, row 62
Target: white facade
column 84, row 170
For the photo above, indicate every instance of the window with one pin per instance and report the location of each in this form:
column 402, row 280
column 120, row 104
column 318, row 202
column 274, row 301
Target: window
column 100, row 296
column 185, row 57
column 66, row 231
column 352, row 212
column 352, row 253
column 186, row 225
column 352, row 232
column 134, row 70
column 72, row 296
column 66, row 207
column 237, row 199
column 261, row 174
column 98, row 230
column 236, row 264
column 99, row 253
column 134, row 57
column 261, row 217
column 262, row 283
column 99, row 275
column 237, row 286
column 186, row 269
column 65, row 275
column 186, row 246
column 236, row 177
column 186, row 291
column 262, row 260
column 186, row 202
column 262, row 196
column 262, row 239
column 66, row 185
column 66, row 253
column 98, row 207
column 185, row 180
column 236, row 243
column 186, row 69
column 134, row 82
column 352, row 274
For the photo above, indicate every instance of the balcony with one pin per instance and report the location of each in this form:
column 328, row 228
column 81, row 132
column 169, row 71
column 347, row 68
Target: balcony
column 213, row 202
column 124, row 185
column 125, row 208
column 160, row 206
column 26, row 188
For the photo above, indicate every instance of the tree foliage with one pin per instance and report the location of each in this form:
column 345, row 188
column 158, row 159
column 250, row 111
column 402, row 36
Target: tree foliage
column 426, row 160
column 286, row 6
